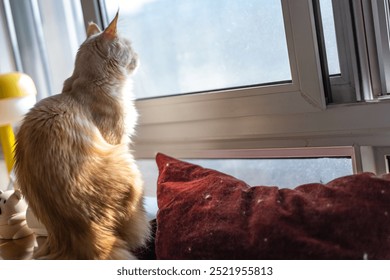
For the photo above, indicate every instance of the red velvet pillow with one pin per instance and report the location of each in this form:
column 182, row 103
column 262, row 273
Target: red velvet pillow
column 205, row 214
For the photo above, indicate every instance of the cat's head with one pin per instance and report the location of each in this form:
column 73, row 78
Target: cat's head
column 106, row 52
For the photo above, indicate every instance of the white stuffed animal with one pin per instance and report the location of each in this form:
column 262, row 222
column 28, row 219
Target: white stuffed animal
column 13, row 208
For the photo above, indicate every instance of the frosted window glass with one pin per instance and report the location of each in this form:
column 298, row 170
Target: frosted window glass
column 200, row 45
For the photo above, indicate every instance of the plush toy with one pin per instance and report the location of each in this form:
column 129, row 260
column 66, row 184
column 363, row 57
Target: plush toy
column 13, row 208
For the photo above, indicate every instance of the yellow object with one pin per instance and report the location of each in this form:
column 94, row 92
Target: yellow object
column 17, row 96
column 7, row 139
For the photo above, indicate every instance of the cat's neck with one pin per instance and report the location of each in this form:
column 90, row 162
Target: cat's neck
column 105, row 102
column 104, row 86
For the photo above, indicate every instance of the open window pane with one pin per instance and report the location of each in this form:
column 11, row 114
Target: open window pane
column 202, row 45
column 330, row 37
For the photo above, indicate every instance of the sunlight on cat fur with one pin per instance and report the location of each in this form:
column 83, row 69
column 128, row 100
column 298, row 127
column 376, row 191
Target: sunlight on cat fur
column 73, row 162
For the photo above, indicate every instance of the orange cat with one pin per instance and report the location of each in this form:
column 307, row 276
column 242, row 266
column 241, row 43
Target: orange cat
column 73, row 162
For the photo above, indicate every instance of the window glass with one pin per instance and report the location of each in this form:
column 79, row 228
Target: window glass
column 48, row 35
column 200, row 45
column 330, row 36
column 64, row 31
column 7, row 64
column 284, row 173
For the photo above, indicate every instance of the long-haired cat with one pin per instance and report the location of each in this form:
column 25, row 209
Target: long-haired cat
column 73, row 162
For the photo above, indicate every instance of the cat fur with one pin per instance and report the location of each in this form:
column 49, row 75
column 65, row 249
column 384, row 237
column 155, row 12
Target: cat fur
column 73, row 161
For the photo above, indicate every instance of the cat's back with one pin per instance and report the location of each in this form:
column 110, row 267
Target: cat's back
column 54, row 118
column 49, row 111
column 53, row 134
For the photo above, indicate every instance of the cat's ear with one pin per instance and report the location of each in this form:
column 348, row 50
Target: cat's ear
column 92, row 29
column 110, row 32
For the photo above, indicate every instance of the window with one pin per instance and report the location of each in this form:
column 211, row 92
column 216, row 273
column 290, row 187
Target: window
column 46, row 37
column 178, row 121
column 7, row 59
column 290, row 114
column 283, row 173
column 285, row 168
column 335, row 26
column 329, row 31
column 362, row 32
column 193, row 46
column 236, row 44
